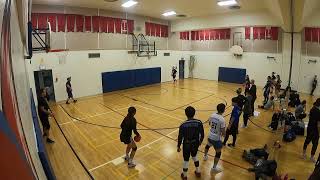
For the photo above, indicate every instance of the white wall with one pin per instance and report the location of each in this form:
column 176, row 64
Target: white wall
column 86, row 73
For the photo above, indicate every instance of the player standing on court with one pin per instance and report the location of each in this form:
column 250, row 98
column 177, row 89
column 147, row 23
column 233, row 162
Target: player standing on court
column 44, row 112
column 218, row 129
column 174, row 74
column 233, row 123
column 313, row 130
column 69, row 91
column 128, row 125
column 191, row 134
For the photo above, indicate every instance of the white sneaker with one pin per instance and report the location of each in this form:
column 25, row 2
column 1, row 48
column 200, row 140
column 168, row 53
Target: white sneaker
column 243, row 126
column 313, row 160
column 131, row 165
column 205, row 157
column 216, row 170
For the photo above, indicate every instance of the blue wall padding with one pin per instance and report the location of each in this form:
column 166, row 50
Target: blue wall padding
column 41, row 147
column 232, row 75
column 118, row 80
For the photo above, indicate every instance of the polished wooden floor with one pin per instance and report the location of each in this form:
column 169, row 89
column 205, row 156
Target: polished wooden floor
column 91, row 126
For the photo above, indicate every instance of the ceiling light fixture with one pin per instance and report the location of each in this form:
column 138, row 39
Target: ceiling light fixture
column 129, row 3
column 227, row 3
column 170, row 13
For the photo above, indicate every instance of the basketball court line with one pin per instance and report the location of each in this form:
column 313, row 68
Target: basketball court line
column 119, row 159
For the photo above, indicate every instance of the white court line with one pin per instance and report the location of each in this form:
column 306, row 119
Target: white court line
column 74, row 120
column 159, row 112
column 119, row 159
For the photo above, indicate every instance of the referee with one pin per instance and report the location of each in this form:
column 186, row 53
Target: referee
column 191, row 134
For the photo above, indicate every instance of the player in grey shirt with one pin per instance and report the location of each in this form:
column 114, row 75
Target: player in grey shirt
column 218, row 129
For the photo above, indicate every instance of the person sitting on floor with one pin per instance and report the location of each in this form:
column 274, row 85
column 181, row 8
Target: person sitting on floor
column 269, row 104
column 300, row 111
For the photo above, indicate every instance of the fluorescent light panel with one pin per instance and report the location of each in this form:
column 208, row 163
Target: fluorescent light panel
column 227, row 3
column 129, row 3
column 170, row 13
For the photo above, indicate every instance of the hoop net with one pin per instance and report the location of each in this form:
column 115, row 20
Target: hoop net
column 61, row 54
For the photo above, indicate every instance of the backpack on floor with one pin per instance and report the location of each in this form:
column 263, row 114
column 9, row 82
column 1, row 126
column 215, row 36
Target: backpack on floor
column 298, row 128
column 289, row 136
column 249, row 157
column 275, row 121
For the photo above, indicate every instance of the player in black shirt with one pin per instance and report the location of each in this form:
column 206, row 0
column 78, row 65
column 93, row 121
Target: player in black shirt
column 69, row 91
column 44, row 112
column 241, row 98
column 191, row 134
column 174, row 74
column 253, row 92
column 128, row 125
column 313, row 130
column 314, row 84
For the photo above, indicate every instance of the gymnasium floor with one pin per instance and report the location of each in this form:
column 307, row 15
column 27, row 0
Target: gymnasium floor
column 91, row 126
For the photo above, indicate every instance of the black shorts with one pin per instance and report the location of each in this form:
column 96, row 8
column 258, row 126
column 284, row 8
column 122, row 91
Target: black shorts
column 173, row 76
column 45, row 122
column 125, row 139
column 70, row 95
column 190, row 149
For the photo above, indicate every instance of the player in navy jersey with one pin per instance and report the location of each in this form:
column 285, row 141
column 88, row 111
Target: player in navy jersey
column 233, row 123
column 191, row 134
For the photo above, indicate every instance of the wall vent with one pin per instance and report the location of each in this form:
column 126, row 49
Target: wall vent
column 94, row 55
column 166, row 54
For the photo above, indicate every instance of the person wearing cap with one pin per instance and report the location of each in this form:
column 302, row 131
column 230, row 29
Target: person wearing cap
column 313, row 130
column 69, row 91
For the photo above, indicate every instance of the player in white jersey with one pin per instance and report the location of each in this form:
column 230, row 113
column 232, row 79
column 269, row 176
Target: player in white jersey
column 218, row 129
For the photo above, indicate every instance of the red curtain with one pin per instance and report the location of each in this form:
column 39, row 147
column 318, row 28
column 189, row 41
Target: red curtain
column 188, row 35
column 103, row 24
column 274, row 33
column 42, row 21
column 34, row 20
column 193, row 35
column 110, row 25
column 152, row 29
column 206, row 34
column 228, row 32
column 70, row 22
column 117, row 23
column 307, row 34
column 61, row 22
column 130, row 26
column 262, row 32
column 197, row 35
column 212, row 34
column 79, row 23
column 147, row 28
column 52, row 19
column 256, row 32
column 164, row 31
column 201, row 35
column 158, row 30
column 247, row 32
column 182, row 35
column 88, row 23
column 315, row 35
column 95, row 23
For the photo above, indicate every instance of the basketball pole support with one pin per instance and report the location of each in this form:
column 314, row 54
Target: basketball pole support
column 292, row 36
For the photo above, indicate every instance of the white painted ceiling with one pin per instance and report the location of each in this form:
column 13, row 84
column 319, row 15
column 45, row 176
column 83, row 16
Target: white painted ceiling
column 154, row 8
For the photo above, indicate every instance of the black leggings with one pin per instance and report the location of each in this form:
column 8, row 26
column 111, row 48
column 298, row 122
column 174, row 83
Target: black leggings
column 252, row 104
column 245, row 119
column 232, row 132
column 314, row 138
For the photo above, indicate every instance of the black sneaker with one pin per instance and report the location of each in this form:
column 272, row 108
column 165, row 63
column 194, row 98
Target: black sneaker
column 67, row 102
column 75, row 101
column 50, row 141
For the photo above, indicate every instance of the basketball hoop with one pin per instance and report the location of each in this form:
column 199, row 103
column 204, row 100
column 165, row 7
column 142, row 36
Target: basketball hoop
column 61, row 54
